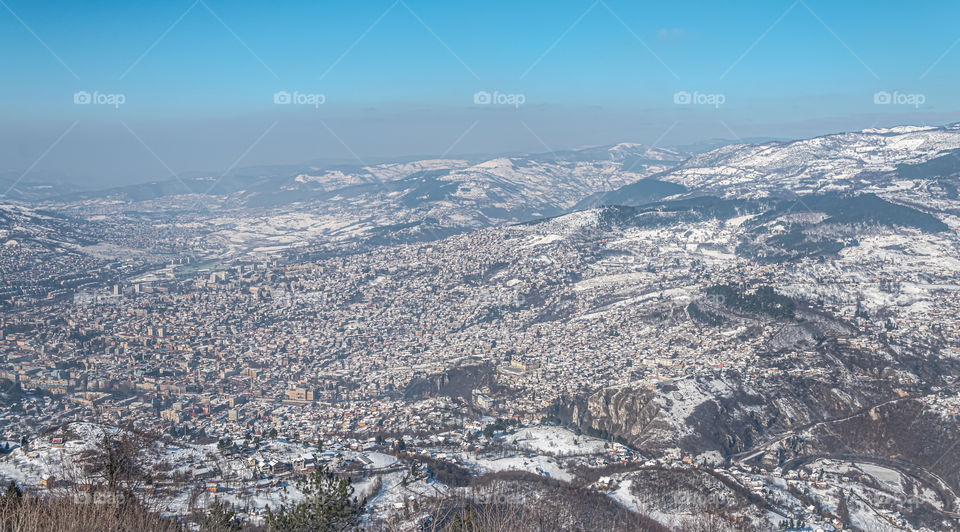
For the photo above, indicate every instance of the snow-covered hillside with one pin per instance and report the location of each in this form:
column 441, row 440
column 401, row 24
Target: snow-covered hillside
column 840, row 162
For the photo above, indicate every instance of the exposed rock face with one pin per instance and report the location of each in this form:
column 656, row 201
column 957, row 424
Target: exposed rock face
column 772, row 420
column 624, row 412
column 696, row 415
column 457, row 382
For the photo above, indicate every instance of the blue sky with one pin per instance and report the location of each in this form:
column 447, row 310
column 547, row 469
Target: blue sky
column 198, row 79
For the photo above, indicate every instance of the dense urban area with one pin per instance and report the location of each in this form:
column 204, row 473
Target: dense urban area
column 753, row 357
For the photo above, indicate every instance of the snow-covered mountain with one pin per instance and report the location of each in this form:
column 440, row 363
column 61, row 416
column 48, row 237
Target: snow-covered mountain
column 868, row 160
column 20, row 224
column 411, row 200
column 514, row 186
column 432, row 198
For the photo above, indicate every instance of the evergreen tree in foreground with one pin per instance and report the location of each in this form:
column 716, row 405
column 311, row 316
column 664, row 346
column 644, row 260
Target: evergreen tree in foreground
column 11, row 497
column 220, row 517
column 327, row 505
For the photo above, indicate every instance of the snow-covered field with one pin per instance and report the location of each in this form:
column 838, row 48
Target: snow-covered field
column 556, row 441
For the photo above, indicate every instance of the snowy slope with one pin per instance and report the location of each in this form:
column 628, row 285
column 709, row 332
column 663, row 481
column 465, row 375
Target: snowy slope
column 840, row 162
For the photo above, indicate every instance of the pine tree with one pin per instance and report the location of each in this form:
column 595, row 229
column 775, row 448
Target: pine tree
column 465, row 522
column 327, row 504
column 220, row 517
column 843, row 513
column 12, row 496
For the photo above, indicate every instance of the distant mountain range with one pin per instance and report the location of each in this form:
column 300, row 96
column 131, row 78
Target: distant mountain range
column 273, row 208
column 884, row 161
column 270, row 208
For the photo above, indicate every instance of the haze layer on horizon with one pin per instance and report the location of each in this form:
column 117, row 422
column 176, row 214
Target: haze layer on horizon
column 118, row 92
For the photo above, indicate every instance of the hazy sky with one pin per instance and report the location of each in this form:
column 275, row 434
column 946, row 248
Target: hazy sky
column 191, row 85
